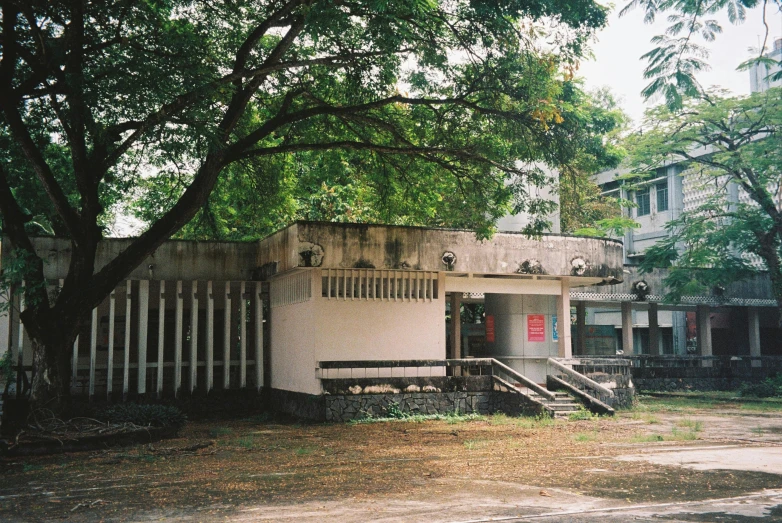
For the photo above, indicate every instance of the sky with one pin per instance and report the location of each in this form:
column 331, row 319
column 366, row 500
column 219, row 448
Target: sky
column 617, row 55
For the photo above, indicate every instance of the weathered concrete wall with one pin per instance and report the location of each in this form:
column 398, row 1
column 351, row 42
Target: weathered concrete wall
column 340, row 245
column 324, row 329
column 512, row 344
column 174, row 260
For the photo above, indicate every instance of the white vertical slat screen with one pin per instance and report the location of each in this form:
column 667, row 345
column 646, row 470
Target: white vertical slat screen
column 194, row 336
column 179, row 325
column 110, row 344
column 379, row 284
column 290, row 289
column 126, row 359
column 161, row 342
column 210, row 336
column 227, row 336
column 115, row 328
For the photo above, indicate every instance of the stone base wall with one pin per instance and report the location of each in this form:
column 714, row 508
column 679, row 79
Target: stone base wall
column 359, row 406
column 696, row 378
column 622, row 386
column 298, row 404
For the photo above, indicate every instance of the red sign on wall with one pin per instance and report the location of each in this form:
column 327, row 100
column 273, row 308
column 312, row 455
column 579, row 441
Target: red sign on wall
column 489, row 328
column 536, row 327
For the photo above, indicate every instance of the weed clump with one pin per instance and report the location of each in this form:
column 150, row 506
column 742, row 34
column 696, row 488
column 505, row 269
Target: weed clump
column 143, row 415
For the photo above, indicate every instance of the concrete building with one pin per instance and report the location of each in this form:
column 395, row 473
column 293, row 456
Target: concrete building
column 760, row 74
column 204, row 316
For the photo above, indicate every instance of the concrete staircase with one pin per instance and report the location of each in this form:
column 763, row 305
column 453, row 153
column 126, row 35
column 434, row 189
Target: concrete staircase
column 556, row 403
column 561, row 406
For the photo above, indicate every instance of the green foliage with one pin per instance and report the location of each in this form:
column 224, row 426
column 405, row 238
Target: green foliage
column 728, row 146
column 614, row 227
column 582, row 207
column 681, row 52
column 143, row 415
column 394, row 411
column 770, row 387
column 7, row 365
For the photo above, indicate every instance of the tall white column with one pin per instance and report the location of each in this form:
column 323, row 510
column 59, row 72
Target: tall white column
column 703, row 325
column 456, row 326
column 563, row 320
column 754, row 335
column 654, row 331
column 143, row 332
column 581, row 327
column 627, row 327
column 161, row 335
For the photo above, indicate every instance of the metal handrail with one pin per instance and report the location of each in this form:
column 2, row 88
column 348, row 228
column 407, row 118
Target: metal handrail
column 581, row 378
column 522, row 379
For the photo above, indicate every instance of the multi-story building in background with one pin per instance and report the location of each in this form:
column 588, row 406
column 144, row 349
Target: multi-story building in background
column 733, row 313
column 760, row 74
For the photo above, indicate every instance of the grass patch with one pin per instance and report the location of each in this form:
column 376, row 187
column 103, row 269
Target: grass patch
column 304, row 451
column 246, row 442
column 524, row 422
column 220, row 431
column 688, row 423
column 683, row 435
column 473, row 444
column 584, row 437
column 647, row 438
column 581, row 414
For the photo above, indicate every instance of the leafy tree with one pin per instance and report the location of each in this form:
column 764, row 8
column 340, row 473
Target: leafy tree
column 582, row 207
column 731, row 148
column 101, row 97
column 682, row 51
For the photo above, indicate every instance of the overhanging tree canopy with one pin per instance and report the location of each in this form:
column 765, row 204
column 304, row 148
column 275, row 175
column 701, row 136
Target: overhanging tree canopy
column 99, row 97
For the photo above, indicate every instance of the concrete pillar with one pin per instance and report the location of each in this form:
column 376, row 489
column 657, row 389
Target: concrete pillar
column 456, row 326
column 581, row 328
column 654, row 331
column 627, row 327
column 456, row 331
column 754, row 335
column 703, row 326
column 563, row 320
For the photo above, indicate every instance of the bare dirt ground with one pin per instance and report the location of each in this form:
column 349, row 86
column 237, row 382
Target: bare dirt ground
column 668, row 460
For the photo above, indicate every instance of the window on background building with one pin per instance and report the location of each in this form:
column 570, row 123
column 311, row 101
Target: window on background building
column 643, row 202
column 662, row 196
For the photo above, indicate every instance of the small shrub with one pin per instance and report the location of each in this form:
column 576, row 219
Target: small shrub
column 394, row 411
column 144, row 415
column 770, row 387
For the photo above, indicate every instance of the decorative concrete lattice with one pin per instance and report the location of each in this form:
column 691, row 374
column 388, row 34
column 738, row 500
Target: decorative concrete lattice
column 381, row 284
column 294, row 288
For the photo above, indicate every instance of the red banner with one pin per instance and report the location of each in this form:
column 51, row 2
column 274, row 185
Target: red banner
column 489, row 328
column 536, row 327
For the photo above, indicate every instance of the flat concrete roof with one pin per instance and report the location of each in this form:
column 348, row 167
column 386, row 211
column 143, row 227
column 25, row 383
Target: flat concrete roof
column 347, row 245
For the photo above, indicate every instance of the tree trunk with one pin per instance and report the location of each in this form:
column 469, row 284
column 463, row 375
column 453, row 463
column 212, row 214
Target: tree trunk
column 52, row 336
column 51, row 379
